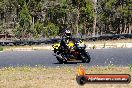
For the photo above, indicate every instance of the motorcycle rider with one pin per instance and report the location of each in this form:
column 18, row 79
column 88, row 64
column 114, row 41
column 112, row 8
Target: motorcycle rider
column 64, row 43
column 66, row 39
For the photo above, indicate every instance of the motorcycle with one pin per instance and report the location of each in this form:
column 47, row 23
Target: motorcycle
column 76, row 51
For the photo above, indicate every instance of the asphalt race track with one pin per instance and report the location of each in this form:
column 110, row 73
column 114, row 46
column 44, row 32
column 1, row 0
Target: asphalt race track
column 100, row 57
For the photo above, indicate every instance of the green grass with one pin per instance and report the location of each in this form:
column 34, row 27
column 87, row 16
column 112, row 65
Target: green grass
column 130, row 66
column 1, row 48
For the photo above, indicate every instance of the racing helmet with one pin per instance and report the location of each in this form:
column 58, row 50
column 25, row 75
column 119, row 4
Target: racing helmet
column 67, row 33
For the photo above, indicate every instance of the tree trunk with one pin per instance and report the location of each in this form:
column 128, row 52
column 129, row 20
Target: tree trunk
column 125, row 28
column 130, row 29
column 94, row 24
column 33, row 21
column 77, row 20
column 85, row 28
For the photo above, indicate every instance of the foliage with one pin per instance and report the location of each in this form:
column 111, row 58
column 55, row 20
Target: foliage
column 130, row 66
column 17, row 31
column 49, row 18
column 39, row 27
column 1, row 48
column 25, row 20
column 52, row 29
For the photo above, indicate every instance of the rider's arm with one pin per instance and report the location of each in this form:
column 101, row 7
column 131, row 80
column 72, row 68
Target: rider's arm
column 63, row 44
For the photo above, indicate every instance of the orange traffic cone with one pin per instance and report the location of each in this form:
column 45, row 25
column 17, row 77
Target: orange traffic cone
column 81, row 70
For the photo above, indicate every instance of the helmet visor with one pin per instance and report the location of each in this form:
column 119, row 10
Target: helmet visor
column 68, row 34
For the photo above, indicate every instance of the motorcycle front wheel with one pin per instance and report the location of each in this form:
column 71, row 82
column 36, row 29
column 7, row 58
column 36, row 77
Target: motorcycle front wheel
column 85, row 57
column 61, row 60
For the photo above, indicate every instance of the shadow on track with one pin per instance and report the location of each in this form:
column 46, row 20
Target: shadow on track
column 69, row 62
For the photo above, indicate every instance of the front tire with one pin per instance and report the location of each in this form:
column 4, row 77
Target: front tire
column 85, row 57
column 61, row 60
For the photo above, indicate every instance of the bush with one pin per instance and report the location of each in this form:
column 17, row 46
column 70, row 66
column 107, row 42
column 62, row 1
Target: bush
column 1, row 48
column 94, row 47
column 52, row 30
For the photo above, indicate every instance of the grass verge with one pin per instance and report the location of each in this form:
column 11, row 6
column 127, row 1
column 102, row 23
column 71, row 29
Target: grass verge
column 1, row 48
column 111, row 41
column 55, row 77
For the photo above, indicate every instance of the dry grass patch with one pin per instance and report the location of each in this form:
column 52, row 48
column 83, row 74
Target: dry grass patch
column 55, row 77
column 111, row 41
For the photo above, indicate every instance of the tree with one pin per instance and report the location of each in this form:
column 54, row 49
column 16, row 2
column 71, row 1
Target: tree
column 25, row 21
column 51, row 30
column 35, row 17
column 38, row 29
column 87, row 16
